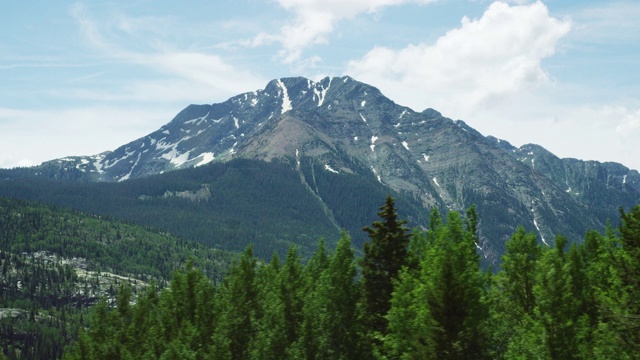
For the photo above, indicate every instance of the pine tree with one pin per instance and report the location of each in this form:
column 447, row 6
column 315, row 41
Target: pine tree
column 339, row 327
column 555, row 302
column 511, row 294
column 270, row 341
column 456, row 291
column 383, row 258
column 410, row 323
column 630, row 277
column 236, row 327
column 291, row 287
column 518, row 270
column 308, row 342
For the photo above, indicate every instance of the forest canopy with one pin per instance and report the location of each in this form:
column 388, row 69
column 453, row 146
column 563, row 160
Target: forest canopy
column 434, row 301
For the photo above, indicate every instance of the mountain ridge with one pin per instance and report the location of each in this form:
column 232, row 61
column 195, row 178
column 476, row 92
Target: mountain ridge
column 343, row 126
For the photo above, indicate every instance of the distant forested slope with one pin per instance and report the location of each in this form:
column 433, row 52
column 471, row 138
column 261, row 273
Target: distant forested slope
column 56, row 263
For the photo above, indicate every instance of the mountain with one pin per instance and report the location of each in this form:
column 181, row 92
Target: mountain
column 338, row 132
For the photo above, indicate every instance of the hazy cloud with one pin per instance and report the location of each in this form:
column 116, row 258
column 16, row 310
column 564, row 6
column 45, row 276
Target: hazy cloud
column 73, row 131
column 211, row 77
column 609, row 22
column 315, row 20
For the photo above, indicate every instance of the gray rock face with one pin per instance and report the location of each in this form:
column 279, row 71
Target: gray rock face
column 350, row 127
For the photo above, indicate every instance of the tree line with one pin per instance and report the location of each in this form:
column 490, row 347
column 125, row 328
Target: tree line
column 412, row 295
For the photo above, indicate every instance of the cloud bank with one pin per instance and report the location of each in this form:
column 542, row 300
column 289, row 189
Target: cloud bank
column 471, row 66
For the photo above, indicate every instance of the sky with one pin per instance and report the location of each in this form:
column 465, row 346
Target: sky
column 80, row 78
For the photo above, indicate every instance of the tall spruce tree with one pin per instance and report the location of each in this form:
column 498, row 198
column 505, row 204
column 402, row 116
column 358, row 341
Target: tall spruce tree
column 338, row 289
column 629, row 321
column 384, row 257
column 512, row 300
column 555, row 302
column 239, row 302
column 456, row 290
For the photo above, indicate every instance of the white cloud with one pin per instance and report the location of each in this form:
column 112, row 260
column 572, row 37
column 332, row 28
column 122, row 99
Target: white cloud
column 315, row 20
column 489, row 72
column 472, row 66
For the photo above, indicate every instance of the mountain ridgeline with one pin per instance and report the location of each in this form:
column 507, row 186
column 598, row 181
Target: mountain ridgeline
column 301, row 159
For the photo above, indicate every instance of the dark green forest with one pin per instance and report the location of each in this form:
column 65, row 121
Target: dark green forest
column 229, row 205
column 411, row 295
column 55, row 264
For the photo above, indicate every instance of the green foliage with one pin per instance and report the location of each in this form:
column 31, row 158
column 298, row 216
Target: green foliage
column 411, row 326
column 566, row 302
column 456, row 287
column 55, row 264
column 383, row 259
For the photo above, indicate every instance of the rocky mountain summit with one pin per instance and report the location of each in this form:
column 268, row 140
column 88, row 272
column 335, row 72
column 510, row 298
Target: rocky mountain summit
column 345, row 127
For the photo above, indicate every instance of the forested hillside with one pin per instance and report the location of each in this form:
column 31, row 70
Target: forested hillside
column 420, row 295
column 231, row 205
column 55, row 264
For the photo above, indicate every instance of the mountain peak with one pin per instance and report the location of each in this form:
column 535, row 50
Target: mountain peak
column 338, row 128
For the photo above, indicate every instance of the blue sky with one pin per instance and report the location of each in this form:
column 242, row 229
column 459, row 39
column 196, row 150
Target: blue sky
column 80, row 78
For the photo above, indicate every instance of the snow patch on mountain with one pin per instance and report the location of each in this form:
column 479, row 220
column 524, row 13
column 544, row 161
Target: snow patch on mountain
column 535, row 223
column 110, row 164
column 175, row 157
column 161, row 145
column 376, row 174
column 97, row 163
column 126, row 177
column 80, row 166
column 286, row 102
column 207, row 157
column 373, row 143
column 199, row 120
column 321, row 93
column 330, row 169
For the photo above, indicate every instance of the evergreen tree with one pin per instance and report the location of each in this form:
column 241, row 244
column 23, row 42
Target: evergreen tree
column 518, row 270
column 270, row 341
column 308, row 342
column 512, row 299
column 291, row 288
column 339, row 327
column 236, row 327
column 410, row 324
column 555, row 302
column 384, row 256
column 629, row 318
column 456, row 296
